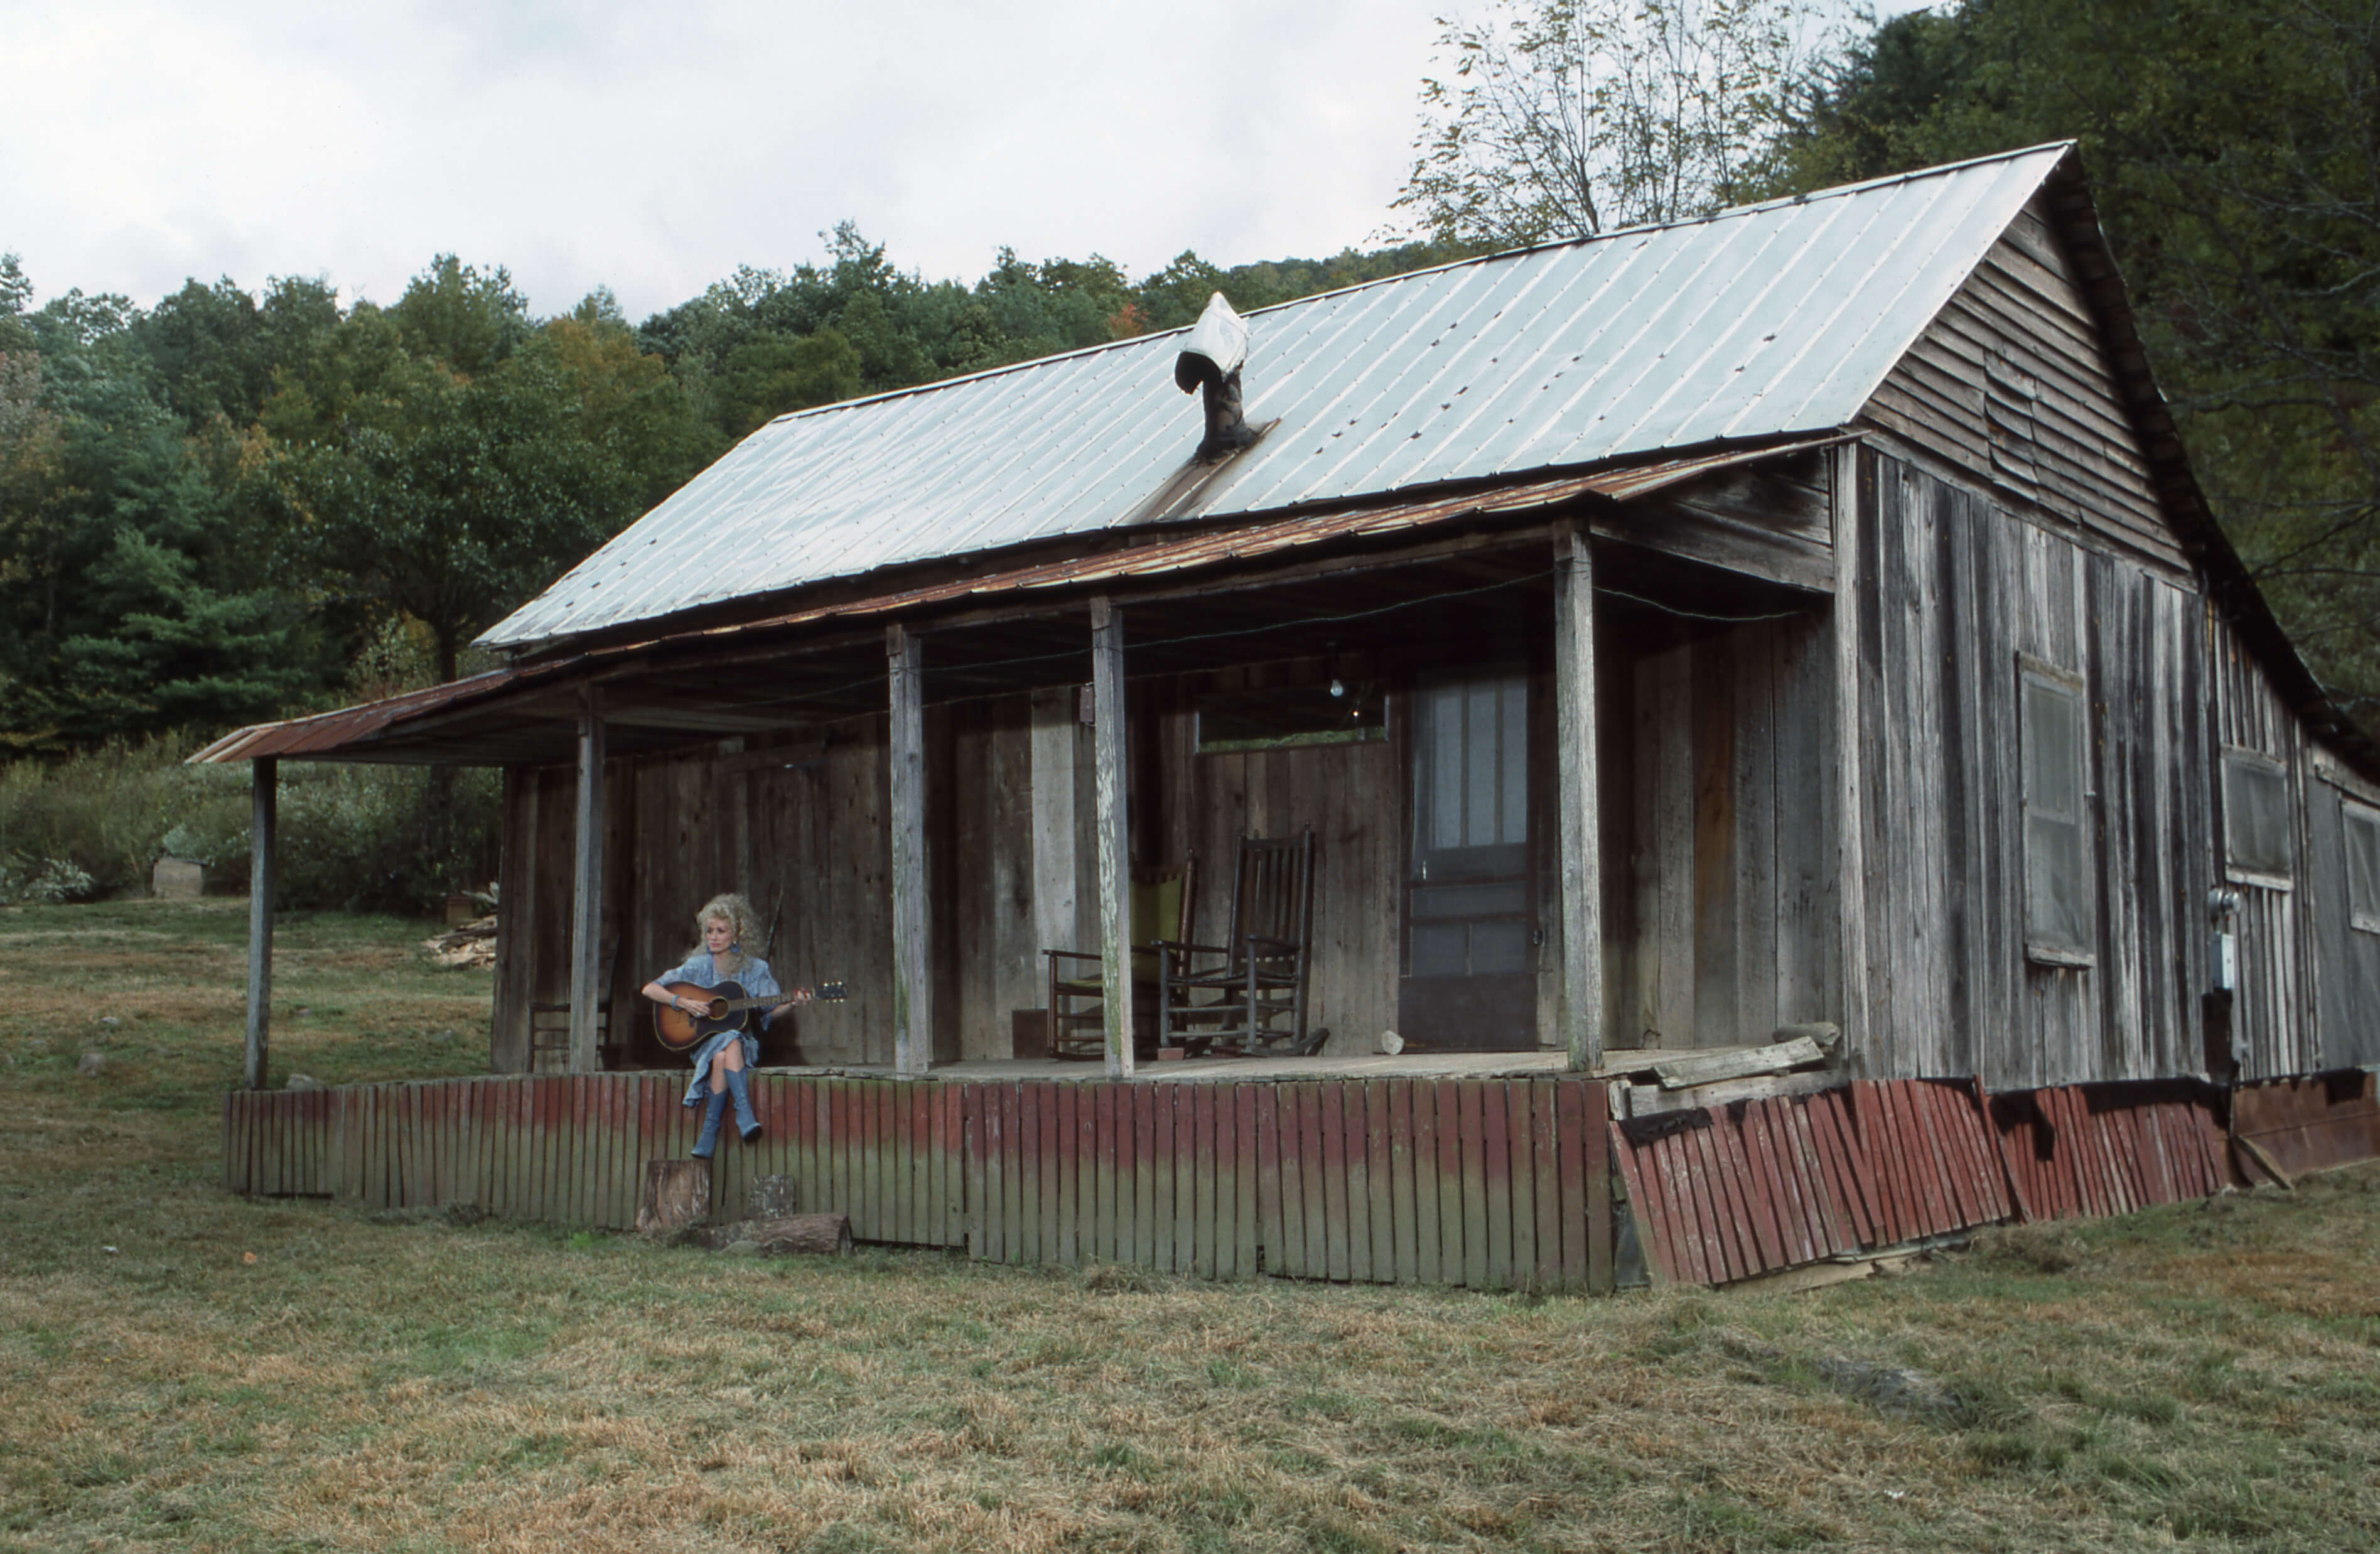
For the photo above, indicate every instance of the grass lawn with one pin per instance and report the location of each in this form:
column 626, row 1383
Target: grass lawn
column 182, row 1370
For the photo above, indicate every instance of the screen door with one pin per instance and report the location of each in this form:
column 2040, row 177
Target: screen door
column 1470, row 979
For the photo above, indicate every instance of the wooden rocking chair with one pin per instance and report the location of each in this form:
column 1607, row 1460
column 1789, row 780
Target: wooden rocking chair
column 1163, row 901
column 1248, row 995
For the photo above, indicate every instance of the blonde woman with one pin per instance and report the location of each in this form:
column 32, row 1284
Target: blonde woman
column 725, row 924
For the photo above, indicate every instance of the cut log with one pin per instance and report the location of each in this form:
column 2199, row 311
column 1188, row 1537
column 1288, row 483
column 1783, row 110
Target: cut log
column 827, row 1235
column 1677, row 1073
column 678, row 1194
column 774, row 1197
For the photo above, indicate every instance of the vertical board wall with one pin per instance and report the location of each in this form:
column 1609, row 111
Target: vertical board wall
column 1960, row 588
column 1730, row 930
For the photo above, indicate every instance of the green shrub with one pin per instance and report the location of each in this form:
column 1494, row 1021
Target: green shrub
column 351, row 837
column 93, row 819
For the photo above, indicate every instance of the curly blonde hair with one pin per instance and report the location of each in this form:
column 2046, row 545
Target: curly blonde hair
column 742, row 923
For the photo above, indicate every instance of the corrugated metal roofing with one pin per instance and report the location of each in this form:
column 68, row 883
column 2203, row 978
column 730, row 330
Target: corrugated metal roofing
column 1755, row 323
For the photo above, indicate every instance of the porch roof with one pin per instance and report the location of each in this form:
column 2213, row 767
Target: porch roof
column 1755, row 323
column 786, row 670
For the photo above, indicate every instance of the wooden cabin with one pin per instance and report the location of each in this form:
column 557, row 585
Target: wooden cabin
column 1800, row 617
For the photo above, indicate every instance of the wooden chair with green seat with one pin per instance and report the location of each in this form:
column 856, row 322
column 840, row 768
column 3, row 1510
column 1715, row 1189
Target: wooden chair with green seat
column 1163, row 901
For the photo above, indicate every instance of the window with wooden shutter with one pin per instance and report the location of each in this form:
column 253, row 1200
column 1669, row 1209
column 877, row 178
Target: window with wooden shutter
column 2257, row 820
column 2060, row 915
column 2363, row 867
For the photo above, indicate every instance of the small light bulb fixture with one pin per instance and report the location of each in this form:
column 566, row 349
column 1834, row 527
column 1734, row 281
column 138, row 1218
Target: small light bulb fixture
column 1337, row 687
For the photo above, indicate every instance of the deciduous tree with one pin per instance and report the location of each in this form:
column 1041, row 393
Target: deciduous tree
column 1558, row 118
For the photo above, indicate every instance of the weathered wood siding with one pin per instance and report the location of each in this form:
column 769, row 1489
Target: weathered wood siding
column 1729, row 926
column 1353, row 796
column 800, row 831
column 993, row 947
column 806, row 837
column 1956, row 589
column 2011, row 383
column 2346, row 959
column 533, row 909
column 1771, row 521
column 2273, row 1009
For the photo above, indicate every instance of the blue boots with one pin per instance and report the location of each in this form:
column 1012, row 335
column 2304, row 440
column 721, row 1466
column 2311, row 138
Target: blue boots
column 711, row 1110
column 739, row 1085
column 739, row 1088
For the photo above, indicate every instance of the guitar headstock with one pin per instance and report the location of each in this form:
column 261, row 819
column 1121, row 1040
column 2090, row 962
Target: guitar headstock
column 830, row 992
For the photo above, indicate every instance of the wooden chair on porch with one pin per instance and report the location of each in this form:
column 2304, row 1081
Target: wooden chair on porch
column 1247, row 994
column 1163, row 901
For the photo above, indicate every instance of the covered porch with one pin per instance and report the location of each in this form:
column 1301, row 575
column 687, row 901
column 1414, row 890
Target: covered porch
column 1573, row 714
column 1580, row 710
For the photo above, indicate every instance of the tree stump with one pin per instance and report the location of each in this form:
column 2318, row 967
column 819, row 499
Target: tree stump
column 820, row 1234
column 678, row 1194
column 775, row 1198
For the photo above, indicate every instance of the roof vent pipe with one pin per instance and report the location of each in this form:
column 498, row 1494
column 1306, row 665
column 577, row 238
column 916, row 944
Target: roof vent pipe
column 1211, row 359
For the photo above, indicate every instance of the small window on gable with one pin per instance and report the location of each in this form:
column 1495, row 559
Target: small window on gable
column 2059, row 915
column 2256, row 819
column 2363, row 867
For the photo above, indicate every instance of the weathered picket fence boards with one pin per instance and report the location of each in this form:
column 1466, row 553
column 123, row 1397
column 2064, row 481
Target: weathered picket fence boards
column 1759, row 1187
column 2311, row 1121
column 2089, row 1151
column 1489, row 1183
column 1483, row 1182
column 1754, row 1187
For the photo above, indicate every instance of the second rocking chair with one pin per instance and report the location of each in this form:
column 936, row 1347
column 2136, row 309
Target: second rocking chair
column 1247, row 994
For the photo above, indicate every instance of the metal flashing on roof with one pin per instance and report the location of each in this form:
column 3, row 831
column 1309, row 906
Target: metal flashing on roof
column 1750, row 325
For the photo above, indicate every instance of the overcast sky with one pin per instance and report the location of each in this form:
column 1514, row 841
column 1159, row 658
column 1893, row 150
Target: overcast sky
column 653, row 147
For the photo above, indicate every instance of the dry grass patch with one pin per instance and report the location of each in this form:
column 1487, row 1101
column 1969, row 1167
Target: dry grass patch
column 2197, row 1378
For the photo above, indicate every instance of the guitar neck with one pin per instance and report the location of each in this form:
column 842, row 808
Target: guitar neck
column 770, row 1003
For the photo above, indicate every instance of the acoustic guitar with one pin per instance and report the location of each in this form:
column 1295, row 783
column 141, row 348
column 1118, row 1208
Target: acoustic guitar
column 726, row 1008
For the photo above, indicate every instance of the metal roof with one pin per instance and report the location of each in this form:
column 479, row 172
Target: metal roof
column 1758, row 322
column 323, row 733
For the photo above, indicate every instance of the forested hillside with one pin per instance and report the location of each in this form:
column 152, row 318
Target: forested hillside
column 235, row 504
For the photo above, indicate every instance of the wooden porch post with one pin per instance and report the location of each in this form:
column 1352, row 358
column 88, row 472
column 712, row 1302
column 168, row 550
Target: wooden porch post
column 1851, row 868
column 1574, row 761
column 1115, row 848
column 587, row 889
column 913, row 971
column 265, row 778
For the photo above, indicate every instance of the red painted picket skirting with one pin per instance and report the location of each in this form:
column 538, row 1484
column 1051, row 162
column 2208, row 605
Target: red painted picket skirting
column 1485, row 1183
column 1758, row 1187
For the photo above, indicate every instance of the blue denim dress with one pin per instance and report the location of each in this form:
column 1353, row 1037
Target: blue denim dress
column 755, row 982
